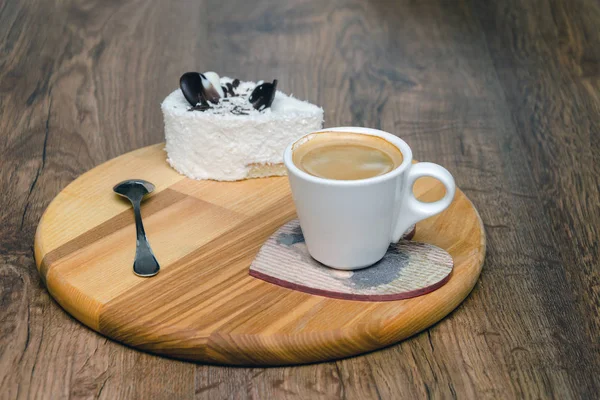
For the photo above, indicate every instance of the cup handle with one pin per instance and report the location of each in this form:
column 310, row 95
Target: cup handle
column 413, row 210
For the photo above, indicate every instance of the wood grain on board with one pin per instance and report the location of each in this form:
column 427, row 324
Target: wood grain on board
column 204, row 305
column 504, row 94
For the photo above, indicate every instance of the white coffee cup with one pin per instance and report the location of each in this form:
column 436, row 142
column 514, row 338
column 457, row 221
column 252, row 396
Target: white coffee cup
column 349, row 224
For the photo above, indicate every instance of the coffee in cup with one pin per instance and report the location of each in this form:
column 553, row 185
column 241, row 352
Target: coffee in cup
column 346, row 156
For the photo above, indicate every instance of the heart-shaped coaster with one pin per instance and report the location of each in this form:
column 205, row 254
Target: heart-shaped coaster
column 408, row 269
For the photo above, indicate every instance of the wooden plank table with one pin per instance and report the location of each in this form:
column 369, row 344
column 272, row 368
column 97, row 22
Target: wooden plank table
column 505, row 94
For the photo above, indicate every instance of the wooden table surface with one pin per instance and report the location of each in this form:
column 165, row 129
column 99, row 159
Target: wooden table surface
column 506, row 95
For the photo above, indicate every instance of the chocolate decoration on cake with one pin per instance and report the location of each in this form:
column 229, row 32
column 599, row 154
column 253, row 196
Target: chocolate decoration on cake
column 191, row 87
column 237, row 110
column 210, row 91
column 201, row 88
column 198, row 88
column 263, row 95
column 201, row 106
column 230, row 88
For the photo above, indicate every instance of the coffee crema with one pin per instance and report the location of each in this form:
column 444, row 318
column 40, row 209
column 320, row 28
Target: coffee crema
column 346, row 156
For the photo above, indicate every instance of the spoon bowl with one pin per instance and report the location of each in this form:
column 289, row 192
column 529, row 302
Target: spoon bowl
column 135, row 187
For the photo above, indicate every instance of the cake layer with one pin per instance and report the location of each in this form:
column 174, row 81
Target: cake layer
column 229, row 140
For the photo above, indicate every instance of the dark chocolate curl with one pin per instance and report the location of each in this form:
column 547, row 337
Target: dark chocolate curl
column 263, row 95
column 191, row 87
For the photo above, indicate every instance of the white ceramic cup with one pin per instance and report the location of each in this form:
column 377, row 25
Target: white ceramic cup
column 350, row 224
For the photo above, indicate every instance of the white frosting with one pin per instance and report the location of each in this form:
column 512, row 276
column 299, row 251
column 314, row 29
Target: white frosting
column 217, row 144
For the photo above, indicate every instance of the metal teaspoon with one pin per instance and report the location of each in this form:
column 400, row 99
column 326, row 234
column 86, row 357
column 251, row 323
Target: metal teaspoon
column 145, row 263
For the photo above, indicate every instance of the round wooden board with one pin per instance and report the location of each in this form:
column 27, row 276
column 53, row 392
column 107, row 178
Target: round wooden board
column 203, row 305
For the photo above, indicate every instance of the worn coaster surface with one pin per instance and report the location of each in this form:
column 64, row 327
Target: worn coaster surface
column 408, row 269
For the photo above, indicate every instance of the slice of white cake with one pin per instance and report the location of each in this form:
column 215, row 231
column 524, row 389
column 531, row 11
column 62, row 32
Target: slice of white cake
column 231, row 140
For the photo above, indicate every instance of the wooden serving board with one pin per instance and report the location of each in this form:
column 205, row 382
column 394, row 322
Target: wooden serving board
column 203, row 305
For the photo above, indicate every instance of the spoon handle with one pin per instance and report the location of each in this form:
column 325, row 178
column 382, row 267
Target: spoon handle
column 145, row 263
